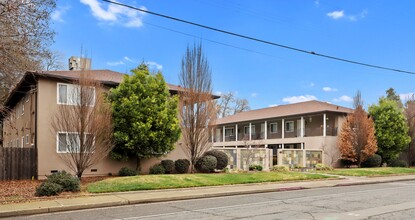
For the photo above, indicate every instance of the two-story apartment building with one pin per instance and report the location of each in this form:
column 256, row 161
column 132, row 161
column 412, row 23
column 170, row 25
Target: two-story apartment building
column 34, row 101
column 299, row 135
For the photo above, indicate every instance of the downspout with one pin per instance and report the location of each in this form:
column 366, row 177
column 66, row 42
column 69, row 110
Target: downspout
column 36, row 109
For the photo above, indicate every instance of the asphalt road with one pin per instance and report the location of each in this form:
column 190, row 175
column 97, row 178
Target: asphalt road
column 377, row 201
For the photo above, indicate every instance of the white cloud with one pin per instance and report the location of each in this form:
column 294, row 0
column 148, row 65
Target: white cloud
column 115, row 14
column 58, row 13
column 406, row 96
column 273, row 105
column 341, row 14
column 218, row 93
column 115, row 63
column 302, row 98
column 129, row 59
column 152, row 65
column 343, row 98
column 254, row 94
column 336, row 14
column 329, row 89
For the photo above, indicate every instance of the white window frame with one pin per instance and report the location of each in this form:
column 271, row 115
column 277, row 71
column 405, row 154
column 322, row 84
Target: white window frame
column 57, row 142
column 23, row 108
column 67, row 94
column 27, row 138
column 22, row 142
column 276, row 127
column 285, row 126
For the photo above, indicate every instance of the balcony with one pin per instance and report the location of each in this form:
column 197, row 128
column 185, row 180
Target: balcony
column 296, row 127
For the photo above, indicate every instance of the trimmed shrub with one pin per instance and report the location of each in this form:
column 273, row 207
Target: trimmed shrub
column 255, row 167
column 221, row 158
column 168, row 166
column 373, row 161
column 48, row 189
column 125, row 171
column 182, row 165
column 65, row 180
column 398, row 163
column 321, row 166
column 279, row 168
column 206, row 164
column 157, row 169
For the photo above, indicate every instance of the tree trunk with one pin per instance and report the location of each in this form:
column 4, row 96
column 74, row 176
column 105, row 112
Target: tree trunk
column 138, row 168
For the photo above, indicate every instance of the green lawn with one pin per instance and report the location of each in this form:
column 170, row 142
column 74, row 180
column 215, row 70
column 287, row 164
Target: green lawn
column 149, row 182
column 378, row 171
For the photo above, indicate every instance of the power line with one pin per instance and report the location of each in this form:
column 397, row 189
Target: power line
column 260, row 40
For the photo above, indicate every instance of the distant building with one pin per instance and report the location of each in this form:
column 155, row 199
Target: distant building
column 79, row 63
column 296, row 135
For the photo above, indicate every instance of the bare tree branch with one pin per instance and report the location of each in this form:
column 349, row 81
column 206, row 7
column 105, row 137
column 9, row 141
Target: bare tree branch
column 197, row 108
column 83, row 125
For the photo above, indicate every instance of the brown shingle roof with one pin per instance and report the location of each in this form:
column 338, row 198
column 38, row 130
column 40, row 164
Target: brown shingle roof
column 105, row 76
column 301, row 108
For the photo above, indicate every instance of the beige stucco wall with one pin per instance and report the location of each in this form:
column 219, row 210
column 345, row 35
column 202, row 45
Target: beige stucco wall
column 48, row 157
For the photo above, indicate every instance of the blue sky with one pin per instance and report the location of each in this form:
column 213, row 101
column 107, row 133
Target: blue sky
column 378, row 32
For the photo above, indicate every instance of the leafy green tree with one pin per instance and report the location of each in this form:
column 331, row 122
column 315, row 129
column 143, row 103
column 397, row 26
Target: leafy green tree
column 391, row 128
column 145, row 115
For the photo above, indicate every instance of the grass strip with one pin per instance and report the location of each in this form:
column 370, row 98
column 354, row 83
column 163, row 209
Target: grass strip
column 152, row 182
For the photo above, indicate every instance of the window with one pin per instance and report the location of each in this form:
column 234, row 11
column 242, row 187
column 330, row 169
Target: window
column 22, row 108
column 69, row 94
column 289, row 126
column 69, row 142
column 246, row 129
column 27, row 138
column 17, row 142
column 273, row 127
column 22, row 142
column 229, row 132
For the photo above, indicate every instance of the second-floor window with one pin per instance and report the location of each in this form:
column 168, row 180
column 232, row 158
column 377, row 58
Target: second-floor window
column 69, row 94
column 273, row 127
column 289, row 126
column 246, row 129
column 229, row 132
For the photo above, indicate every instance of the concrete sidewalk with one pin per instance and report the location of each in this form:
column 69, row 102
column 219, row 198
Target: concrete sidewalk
column 136, row 197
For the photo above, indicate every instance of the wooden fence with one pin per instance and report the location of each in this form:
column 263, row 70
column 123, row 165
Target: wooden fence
column 18, row 163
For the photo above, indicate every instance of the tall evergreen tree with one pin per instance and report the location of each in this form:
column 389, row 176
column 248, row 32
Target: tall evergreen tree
column 391, row 95
column 391, row 128
column 145, row 115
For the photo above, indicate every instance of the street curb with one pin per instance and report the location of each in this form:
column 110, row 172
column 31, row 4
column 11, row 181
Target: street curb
column 122, row 201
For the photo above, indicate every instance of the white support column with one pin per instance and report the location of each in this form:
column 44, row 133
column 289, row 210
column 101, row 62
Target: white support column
column 236, row 132
column 266, row 131
column 324, row 125
column 250, row 131
column 282, row 129
column 304, row 156
column 213, row 140
column 223, row 134
column 302, row 127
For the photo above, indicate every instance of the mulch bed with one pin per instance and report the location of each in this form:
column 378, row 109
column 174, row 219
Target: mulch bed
column 18, row 191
